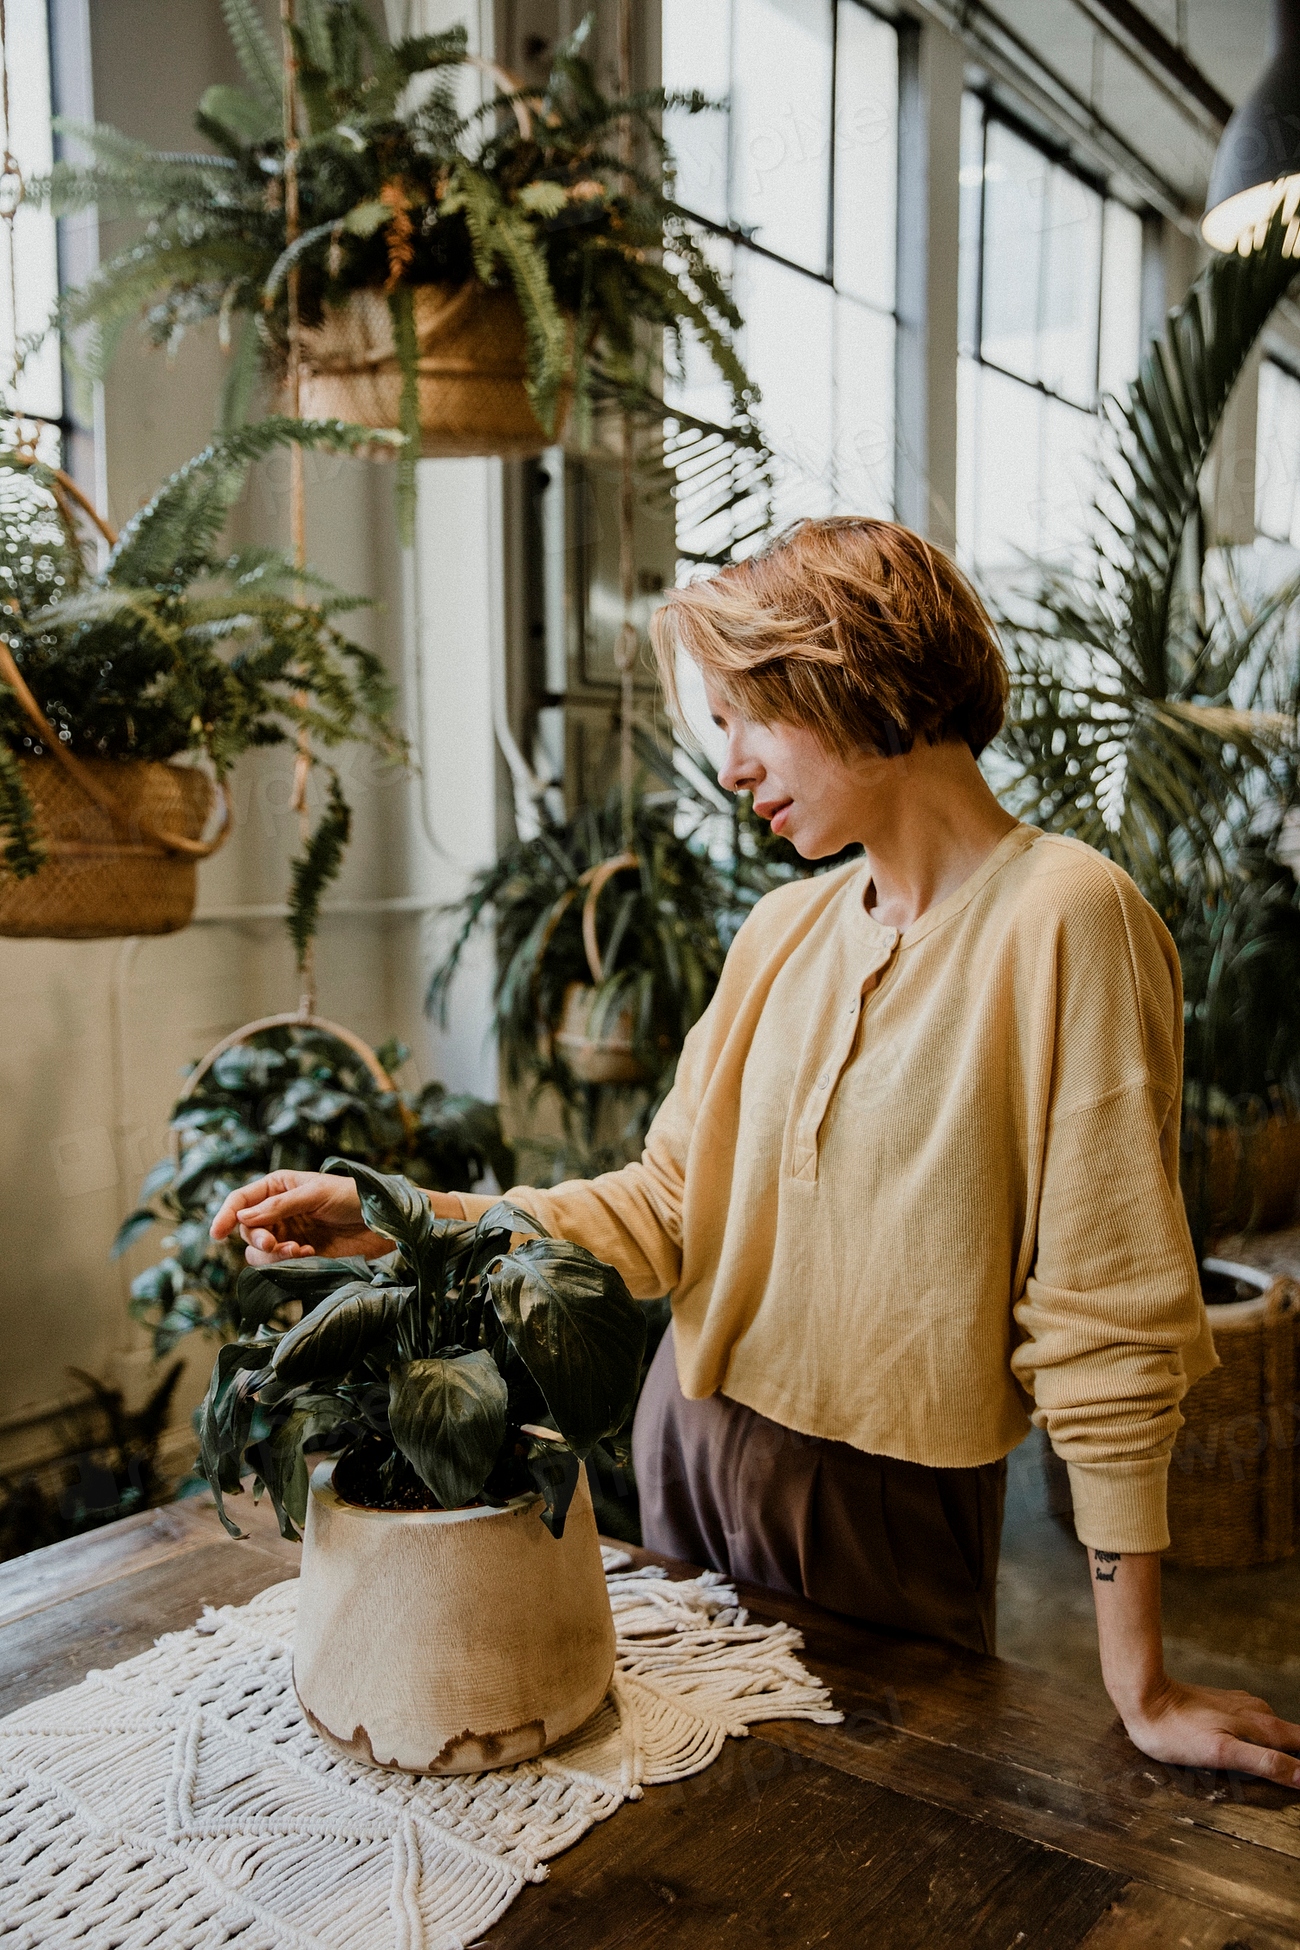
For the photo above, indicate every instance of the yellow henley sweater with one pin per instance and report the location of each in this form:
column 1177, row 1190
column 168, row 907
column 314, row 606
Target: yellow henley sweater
column 907, row 1184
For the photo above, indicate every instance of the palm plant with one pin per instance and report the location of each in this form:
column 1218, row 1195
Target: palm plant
column 178, row 645
column 395, row 188
column 1142, row 715
column 1154, row 712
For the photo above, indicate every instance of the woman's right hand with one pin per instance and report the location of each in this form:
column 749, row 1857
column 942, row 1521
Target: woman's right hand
column 302, row 1214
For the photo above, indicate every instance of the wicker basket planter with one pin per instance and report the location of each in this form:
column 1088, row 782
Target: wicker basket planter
column 471, row 361
column 449, row 1641
column 597, row 1053
column 1232, row 1477
column 1234, row 1488
column 120, row 857
column 598, row 1045
column 1252, row 1174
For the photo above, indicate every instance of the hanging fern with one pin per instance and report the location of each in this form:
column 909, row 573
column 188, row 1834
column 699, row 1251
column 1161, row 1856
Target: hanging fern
column 600, row 258
column 180, row 646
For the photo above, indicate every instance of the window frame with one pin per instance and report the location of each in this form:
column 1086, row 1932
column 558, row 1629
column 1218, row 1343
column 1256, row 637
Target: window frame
column 994, row 110
column 739, row 238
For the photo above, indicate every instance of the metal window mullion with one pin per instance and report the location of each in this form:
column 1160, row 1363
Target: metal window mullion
column 832, row 145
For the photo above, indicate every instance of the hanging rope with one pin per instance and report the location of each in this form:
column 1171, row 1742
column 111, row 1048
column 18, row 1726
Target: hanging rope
column 297, row 478
column 627, row 646
column 12, row 191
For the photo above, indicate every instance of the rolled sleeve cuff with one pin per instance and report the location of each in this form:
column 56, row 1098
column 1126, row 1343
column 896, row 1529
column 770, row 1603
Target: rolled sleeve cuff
column 1121, row 1506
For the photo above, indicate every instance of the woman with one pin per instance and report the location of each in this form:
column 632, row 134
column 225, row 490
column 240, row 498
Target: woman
column 919, row 1169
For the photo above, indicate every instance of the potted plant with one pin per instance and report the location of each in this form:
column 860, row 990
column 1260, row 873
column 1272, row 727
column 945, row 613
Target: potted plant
column 452, row 1612
column 113, row 682
column 462, row 277
column 1154, row 716
column 577, row 1010
column 285, row 1099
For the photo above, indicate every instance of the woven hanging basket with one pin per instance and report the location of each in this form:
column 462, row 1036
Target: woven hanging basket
column 122, row 837
column 471, row 363
column 600, row 1051
column 115, row 872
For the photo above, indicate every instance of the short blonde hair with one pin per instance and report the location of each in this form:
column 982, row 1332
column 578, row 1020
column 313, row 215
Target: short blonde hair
column 858, row 629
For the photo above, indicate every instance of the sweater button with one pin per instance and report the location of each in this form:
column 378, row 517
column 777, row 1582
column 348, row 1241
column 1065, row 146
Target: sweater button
column 823, row 1079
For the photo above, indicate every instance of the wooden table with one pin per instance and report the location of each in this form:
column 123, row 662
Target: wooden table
column 965, row 1801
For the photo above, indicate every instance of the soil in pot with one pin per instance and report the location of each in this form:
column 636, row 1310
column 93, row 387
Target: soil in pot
column 372, row 1475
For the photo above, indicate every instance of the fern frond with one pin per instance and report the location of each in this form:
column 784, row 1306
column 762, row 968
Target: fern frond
column 240, row 382
column 548, row 336
column 185, row 516
column 255, row 50
column 21, row 853
column 316, row 867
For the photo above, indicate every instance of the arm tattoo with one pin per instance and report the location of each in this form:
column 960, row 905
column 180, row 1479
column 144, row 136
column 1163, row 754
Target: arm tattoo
column 1107, row 1557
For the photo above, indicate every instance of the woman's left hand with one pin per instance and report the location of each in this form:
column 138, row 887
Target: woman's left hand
column 1200, row 1726
column 1186, row 1726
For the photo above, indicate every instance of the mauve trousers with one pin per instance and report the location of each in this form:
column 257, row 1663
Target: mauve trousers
column 895, row 1544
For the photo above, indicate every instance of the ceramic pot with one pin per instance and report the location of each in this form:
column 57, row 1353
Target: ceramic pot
column 449, row 1641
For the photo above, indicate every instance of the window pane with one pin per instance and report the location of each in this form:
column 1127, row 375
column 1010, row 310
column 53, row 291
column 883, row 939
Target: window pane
column 697, row 54
column 1042, row 268
column 1071, row 289
column 972, row 196
column 40, row 386
column 1277, row 454
column 781, row 106
column 866, row 155
column 864, row 410
column 1026, row 473
column 789, row 349
column 1015, row 216
column 1121, row 298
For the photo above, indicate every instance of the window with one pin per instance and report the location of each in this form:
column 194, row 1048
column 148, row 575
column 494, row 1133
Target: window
column 795, row 183
column 1277, row 454
column 1050, row 287
column 29, row 280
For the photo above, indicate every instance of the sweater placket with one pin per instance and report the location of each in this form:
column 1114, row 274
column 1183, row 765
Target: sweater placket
column 839, row 1020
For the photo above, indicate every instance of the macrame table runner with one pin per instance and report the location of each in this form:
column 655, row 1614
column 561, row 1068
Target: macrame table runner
column 180, row 1800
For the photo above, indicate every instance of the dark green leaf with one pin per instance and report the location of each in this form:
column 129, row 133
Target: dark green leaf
column 261, row 1291
column 554, row 1468
column 133, row 1227
column 505, row 1217
column 577, row 1330
column 390, row 1204
column 225, row 1419
column 282, row 1464
column 339, row 1332
column 157, row 1180
column 448, row 1418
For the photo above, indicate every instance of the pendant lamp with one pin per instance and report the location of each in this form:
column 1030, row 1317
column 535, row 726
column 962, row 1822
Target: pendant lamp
column 1257, row 166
